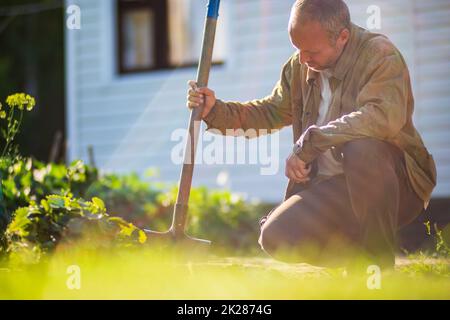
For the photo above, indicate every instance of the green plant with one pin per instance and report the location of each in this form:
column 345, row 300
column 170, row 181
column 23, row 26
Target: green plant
column 25, row 180
column 17, row 104
column 441, row 243
column 62, row 219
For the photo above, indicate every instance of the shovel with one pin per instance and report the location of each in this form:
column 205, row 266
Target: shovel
column 176, row 233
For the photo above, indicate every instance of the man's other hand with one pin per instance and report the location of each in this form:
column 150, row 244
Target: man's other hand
column 296, row 169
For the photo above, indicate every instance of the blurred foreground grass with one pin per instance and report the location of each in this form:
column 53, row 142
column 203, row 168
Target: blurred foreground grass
column 177, row 274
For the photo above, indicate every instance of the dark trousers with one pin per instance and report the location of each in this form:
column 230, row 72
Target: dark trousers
column 358, row 211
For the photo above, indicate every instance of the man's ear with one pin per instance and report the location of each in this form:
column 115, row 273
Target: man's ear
column 343, row 37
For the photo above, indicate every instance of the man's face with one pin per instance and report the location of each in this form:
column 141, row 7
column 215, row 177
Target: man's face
column 314, row 45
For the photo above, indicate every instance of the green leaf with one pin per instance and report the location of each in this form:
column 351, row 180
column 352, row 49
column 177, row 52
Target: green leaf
column 45, row 205
column 99, row 203
column 142, row 236
column 20, row 222
column 428, row 227
column 56, row 202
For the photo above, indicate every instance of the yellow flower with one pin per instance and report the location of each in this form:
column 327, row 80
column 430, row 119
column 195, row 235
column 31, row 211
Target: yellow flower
column 21, row 101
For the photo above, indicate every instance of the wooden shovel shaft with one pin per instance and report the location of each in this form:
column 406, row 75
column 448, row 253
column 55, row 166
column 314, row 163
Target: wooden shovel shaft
column 181, row 206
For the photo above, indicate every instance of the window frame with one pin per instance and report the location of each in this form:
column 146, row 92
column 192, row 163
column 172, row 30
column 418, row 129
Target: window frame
column 161, row 45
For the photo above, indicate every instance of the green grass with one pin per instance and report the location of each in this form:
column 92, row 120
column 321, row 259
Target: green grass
column 178, row 274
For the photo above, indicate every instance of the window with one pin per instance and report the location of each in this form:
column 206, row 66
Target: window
column 142, row 29
column 162, row 34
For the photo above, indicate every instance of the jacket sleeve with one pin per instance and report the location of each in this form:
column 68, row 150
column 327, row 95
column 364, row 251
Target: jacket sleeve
column 381, row 112
column 254, row 117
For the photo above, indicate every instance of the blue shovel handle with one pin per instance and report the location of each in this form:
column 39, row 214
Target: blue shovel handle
column 213, row 9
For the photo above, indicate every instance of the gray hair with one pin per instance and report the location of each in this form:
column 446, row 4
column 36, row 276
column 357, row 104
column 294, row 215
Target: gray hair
column 333, row 15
